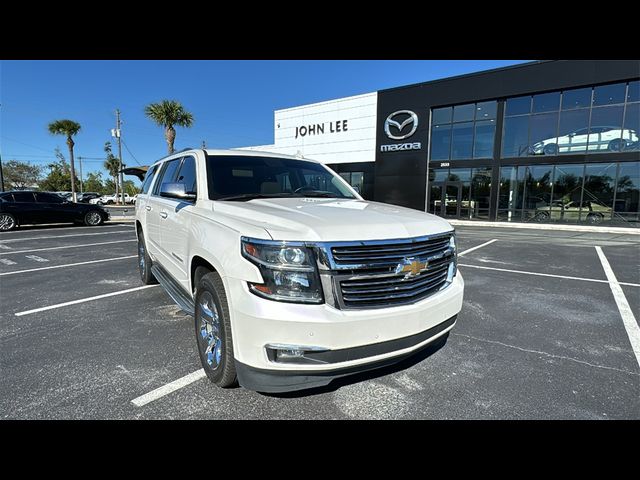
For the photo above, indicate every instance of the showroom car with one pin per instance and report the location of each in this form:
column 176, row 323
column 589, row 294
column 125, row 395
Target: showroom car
column 609, row 138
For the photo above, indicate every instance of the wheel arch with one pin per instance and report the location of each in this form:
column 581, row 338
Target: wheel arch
column 198, row 261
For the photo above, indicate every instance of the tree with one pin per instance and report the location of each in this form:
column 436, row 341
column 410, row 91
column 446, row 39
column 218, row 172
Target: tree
column 68, row 128
column 112, row 165
column 21, row 175
column 167, row 114
column 130, row 187
column 93, row 183
column 59, row 177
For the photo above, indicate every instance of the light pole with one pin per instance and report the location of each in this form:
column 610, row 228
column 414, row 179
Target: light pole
column 80, row 160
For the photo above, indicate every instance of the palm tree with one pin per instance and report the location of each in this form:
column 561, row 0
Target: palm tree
column 167, row 114
column 112, row 165
column 68, row 128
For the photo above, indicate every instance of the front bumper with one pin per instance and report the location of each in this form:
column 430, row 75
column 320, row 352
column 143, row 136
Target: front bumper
column 352, row 340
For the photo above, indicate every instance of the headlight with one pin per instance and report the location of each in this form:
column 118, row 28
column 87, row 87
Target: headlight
column 453, row 266
column 288, row 270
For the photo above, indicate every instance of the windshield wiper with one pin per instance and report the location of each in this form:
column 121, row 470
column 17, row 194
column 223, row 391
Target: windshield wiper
column 253, row 196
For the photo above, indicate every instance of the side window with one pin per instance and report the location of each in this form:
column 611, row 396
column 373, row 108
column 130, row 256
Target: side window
column 23, row 197
column 167, row 174
column 48, row 198
column 187, row 175
column 149, row 178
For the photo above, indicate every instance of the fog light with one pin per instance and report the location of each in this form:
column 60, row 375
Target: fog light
column 284, row 355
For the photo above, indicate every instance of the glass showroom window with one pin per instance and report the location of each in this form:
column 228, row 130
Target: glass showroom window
column 583, row 120
column 599, row 192
column 480, row 193
column 463, row 132
column 627, row 193
column 510, row 193
column 566, row 203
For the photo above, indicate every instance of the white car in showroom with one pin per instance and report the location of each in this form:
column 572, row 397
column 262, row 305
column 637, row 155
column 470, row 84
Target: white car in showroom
column 608, row 138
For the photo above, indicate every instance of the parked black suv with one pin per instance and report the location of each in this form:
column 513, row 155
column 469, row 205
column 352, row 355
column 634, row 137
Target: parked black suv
column 21, row 207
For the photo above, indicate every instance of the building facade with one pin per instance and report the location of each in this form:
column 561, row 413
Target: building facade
column 551, row 141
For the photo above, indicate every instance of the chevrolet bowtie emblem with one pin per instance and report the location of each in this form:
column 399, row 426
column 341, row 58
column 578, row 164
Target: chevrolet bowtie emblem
column 411, row 267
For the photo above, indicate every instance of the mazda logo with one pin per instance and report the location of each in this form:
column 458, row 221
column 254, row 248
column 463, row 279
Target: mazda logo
column 389, row 122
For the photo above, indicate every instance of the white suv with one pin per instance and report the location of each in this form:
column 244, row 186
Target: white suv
column 292, row 278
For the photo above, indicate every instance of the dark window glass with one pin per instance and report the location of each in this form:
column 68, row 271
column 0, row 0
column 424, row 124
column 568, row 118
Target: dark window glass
column 633, row 92
column 463, row 113
column 48, row 198
column 357, row 180
column 480, row 193
column 515, row 140
column 518, row 106
column 544, row 129
column 510, row 193
column 567, row 192
column 440, row 142
column 187, row 175
column 248, row 175
column 537, row 192
column 631, row 132
column 462, row 141
column 609, row 94
column 605, row 132
column 628, row 192
column 23, row 197
column 599, row 186
column 579, row 98
column 6, row 198
column 459, row 175
column 572, row 135
column 441, row 115
column 168, row 174
column 546, row 102
column 486, row 110
column 148, row 178
column 438, row 174
column 484, row 137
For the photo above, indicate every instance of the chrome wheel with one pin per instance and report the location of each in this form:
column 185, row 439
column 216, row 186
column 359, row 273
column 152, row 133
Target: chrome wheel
column 209, row 331
column 93, row 218
column 141, row 256
column 7, row 222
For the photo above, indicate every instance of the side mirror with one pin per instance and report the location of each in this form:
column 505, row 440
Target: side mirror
column 176, row 190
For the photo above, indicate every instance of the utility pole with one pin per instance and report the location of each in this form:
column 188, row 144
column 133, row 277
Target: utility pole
column 118, row 135
column 1, row 175
column 80, row 159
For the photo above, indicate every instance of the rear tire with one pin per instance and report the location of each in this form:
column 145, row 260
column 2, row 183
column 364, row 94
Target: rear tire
column 93, row 218
column 144, row 262
column 595, row 218
column 7, row 222
column 213, row 329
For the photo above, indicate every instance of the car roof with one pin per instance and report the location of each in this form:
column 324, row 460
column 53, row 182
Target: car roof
column 235, row 153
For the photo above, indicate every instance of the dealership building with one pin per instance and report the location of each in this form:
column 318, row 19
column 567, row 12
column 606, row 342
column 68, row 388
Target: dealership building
column 549, row 141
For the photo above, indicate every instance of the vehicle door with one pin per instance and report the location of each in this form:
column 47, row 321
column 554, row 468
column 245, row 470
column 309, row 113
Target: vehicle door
column 23, row 207
column 571, row 212
column 577, row 141
column 142, row 205
column 155, row 204
column 175, row 223
column 54, row 208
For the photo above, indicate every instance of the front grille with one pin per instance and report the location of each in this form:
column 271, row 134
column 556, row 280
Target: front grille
column 366, row 275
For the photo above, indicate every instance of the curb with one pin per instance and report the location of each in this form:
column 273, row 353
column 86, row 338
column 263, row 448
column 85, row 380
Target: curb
column 543, row 226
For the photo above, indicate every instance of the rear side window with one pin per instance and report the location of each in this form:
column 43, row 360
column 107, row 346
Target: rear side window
column 148, row 179
column 187, row 175
column 6, row 198
column 48, row 198
column 167, row 175
column 23, row 197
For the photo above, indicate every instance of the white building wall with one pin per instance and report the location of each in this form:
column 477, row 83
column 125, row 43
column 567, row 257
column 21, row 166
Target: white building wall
column 336, row 131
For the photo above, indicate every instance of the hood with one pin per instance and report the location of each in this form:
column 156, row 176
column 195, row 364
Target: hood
column 330, row 219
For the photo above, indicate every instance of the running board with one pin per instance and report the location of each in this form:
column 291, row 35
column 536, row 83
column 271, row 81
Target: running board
column 175, row 291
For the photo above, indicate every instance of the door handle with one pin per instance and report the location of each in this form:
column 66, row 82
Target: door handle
column 163, row 214
column 148, row 208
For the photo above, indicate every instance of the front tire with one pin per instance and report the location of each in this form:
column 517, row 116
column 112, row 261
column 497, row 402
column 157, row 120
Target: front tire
column 213, row 330
column 144, row 262
column 550, row 149
column 7, row 222
column 93, row 218
column 595, row 218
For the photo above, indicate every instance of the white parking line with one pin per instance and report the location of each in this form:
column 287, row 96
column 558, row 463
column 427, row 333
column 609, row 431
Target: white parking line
column 83, row 300
column 168, row 388
column 67, row 265
column 62, row 236
column 628, row 318
column 479, row 246
column 6, row 261
column 65, row 246
column 36, row 258
column 4, row 247
column 545, row 274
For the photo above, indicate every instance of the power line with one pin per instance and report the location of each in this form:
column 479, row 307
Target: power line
column 132, row 155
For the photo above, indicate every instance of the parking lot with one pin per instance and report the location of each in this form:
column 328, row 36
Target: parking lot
column 544, row 334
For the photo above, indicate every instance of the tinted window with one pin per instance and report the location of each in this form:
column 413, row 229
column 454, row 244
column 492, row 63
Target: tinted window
column 633, row 93
column 149, row 178
column 609, row 94
column 461, row 145
column 23, row 197
column 48, row 198
column 573, row 128
column 440, row 142
column 6, row 198
column 463, row 113
column 518, row 106
column 187, row 174
column 168, row 174
column 441, row 115
column 579, row 98
column 486, row 110
column 515, row 141
column 546, row 102
column 483, row 144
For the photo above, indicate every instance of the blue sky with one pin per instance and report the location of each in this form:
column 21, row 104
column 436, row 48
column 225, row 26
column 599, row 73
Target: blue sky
column 232, row 101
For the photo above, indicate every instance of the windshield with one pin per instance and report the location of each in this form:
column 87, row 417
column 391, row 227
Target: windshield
column 246, row 177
